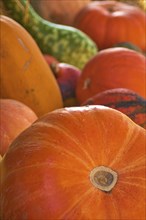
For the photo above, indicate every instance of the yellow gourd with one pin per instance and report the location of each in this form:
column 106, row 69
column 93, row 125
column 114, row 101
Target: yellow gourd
column 25, row 75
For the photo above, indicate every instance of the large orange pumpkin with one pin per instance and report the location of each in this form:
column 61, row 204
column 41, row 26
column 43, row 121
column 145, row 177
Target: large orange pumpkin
column 111, row 22
column 112, row 68
column 76, row 163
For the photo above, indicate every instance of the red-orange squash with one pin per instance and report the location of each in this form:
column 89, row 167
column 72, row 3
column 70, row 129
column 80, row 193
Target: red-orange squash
column 112, row 68
column 111, row 22
column 14, row 118
column 76, row 163
column 124, row 100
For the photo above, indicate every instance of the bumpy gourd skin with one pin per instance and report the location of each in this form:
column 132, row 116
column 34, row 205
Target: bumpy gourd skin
column 66, row 43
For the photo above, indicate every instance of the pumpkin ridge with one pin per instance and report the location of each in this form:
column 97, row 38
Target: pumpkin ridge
column 131, row 169
column 128, row 141
column 135, row 164
column 71, row 154
column 43, row 164
column 124, row 192
column 23, row 168
column 116, row 207
column 80, row 198
column 135, row 177
column 73, row 138
column 56, row 148
column 68, row 135
column 133, row 184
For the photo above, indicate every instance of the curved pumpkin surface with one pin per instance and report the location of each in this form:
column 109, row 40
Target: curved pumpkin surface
column 25, row 75
column 124, row 100
column 14, row 118
column 112, row 68
column 111, row 22
column 76, row 163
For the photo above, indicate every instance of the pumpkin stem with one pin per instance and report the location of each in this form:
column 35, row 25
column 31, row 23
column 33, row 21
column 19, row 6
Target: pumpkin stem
column 103, row 178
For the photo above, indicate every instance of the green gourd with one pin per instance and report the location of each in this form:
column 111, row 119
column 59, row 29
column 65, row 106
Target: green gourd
column 66, row 43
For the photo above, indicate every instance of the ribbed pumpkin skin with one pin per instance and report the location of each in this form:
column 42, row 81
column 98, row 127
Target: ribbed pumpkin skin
column 46, row 170
column 25, row 75
column 112, row 68
column 111, row 22
column 123, row 100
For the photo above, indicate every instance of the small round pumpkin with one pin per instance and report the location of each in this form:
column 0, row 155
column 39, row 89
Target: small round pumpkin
column 111, row 22
column 112, row 68
column 76, row 163
column 124, row 100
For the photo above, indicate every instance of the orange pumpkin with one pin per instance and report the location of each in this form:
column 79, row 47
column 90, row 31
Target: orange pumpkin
column 15, row 117
column 112, row 68
column 112, row 22
column 76, row 163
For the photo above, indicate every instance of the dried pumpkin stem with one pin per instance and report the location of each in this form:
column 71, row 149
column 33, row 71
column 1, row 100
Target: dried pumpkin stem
column 103, row 178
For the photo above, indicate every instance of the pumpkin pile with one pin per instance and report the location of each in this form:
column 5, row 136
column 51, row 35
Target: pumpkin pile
column 73, row 110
